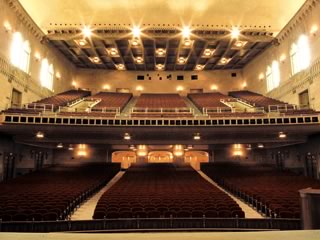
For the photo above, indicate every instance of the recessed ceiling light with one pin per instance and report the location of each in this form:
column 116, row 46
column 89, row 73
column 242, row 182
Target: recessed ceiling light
column 95, row 60
column 240, row 44
column 81, row 42
column 199, row 67
column 106, row 87
column 208, row 52
column 187, row 43
column 181, row 60
column 160, row 67
column 139, row 60
column 224, row 60
column 160, row 52
column 120, row 66
column 113, row 52
column 40, row 135
column 87, row 31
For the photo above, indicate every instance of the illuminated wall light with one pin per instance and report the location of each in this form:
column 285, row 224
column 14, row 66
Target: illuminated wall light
column 282, row 135
column 74, row 84
column 126, row 136
column 314, row 29
column 179, row 88
column 237, row 146
column 60, row 145
column 37, row 56
column 186, row 31
column 214, row 87
column 106, row 87
column 58, row 76
column 132, row 147
column 7, row 26
column 87, row 31
column 178, row 150
column 190, row 147
column 237, row 153
column 261, row 76
column 244, row 85
column 260, row 145
column 197, row 136
column 142, row 150
column 282, row 58
column 139, row 88
column 40, row 135
column 82, row 153
column 70, row 148
column 235, row 32
column 113, row 52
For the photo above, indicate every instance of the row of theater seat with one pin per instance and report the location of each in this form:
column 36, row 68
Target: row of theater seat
column 162, row 190
column 272, row 192
column 52, row 193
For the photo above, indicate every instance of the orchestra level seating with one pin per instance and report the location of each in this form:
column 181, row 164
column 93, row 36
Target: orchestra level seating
column 272, row 192
column 52, row 193
column 165, row 191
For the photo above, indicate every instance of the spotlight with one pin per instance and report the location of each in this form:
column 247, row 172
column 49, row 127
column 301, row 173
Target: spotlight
column 37, row 56
column 208, row 52
column 87, row 31
column 235, row 32
column 40, row 135
column 136, row 31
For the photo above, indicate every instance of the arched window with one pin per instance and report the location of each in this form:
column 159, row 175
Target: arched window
column 46, row 74
column 20, row 52
column 300, row 55
column 273, row 76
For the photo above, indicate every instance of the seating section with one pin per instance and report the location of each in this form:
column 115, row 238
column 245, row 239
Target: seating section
column 161, row 106
column 50, row 103
column 165, row 191
column 52, row 194
column 272, row 192
column 111, row 100
column 259, row 100
column 210, row 100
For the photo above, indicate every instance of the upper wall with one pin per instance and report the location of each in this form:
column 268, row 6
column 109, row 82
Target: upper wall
column 28, row 83
column 222, row 80
column 290, row 86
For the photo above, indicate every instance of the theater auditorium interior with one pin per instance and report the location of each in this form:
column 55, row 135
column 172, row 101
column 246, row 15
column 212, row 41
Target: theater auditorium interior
column 160, row 119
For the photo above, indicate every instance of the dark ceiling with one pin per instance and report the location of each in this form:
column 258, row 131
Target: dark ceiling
column 218, row 42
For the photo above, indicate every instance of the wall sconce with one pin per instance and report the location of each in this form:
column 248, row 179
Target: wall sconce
column 37, row 56
column 7, row 26
column 282, row 58
column 314, row 29
column 261, row 76
column 58, row 76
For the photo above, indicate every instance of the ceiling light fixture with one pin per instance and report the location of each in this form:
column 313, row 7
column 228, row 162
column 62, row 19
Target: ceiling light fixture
column 208, row 52
column 186, row 31
column 187, row 43
column 240, row 44
column 160, row 67
column 181, row 60
column 160, row 52
column 40, row 135
column 199, row 67
column 235, row 32
column 120, row 66
column 87, row 32
column 139, row 60
column 95, row 60
column 224, row 61
column 139, row 88
column 136, row 31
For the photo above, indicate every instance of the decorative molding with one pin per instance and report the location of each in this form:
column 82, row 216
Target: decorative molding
column 302, row 79
column 15, row 75
column 299, row 17
column 25, row 19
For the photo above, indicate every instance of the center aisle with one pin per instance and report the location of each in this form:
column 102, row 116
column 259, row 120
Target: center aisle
column 249, row 212
column 86, row 210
